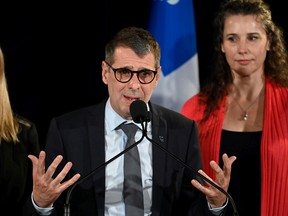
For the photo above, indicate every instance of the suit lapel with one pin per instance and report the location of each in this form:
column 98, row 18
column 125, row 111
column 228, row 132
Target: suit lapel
column 97, row 154
column 159, row 135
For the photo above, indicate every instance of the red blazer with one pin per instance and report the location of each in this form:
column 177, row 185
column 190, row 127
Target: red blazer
column 274, row 145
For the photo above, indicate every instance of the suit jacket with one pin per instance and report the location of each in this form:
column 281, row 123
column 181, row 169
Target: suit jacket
column 79, row 137
column 16, row 169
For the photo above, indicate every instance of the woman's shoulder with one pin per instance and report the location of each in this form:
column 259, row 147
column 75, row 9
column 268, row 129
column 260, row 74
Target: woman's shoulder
column 193, row 105
column 28, row 134
column 23, row 121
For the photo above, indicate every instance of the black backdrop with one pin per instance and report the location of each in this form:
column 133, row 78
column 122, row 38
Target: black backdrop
column 53, row 52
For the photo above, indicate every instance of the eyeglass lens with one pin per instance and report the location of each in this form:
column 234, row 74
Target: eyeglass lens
column 125, row 75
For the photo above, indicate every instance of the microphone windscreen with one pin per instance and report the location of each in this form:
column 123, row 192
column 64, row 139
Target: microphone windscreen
column 139, row 112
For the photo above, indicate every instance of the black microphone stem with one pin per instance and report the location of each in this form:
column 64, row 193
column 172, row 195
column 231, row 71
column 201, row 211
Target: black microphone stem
column 193, row 170
column 67, row 205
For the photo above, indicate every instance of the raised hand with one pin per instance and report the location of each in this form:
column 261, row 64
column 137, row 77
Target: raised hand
column 46, row 189
column 215, row 197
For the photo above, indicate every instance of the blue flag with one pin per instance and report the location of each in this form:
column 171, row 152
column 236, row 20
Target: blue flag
column 172, row 24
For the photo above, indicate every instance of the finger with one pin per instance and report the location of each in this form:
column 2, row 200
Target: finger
column 70, row 182
column 34, row 161
column 41, row 163
column 53, row 166
column 59, row 178
column 217, row 169
column 220, row 175
column 38, row 163
column 57, row 182
column 206, row 190
column 198, row 185
column 228, row 161
column 204, row 174
column 208, row 177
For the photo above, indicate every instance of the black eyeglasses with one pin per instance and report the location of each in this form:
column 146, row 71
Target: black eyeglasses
column 124, row 75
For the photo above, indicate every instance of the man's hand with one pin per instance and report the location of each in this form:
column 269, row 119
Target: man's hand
column 215, row 197
column 46, row 189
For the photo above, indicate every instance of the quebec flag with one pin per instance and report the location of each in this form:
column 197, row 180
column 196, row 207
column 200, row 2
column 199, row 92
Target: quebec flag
column 172, row 24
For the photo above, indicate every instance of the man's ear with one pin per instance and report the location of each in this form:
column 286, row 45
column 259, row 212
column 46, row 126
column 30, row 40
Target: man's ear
column 104, row 72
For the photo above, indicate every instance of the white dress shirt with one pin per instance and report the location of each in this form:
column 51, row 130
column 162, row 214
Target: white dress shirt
column 115, row 141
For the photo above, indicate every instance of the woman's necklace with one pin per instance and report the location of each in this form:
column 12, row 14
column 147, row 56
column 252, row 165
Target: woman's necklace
column 245, row 111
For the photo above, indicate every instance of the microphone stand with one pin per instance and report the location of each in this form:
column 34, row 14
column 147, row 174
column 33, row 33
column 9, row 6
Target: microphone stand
column 67, row 203
column 144, row 135
column 191, row 168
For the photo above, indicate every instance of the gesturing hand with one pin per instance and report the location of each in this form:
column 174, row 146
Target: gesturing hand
column 215, row 197
column 46, row 189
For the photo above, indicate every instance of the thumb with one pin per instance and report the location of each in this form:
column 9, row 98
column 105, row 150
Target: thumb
column 33, row 159
column 37, row 164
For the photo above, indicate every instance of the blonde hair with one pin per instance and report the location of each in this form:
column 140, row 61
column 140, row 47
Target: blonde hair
column 9, row 125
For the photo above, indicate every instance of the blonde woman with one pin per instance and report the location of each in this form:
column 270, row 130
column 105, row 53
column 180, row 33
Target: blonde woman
column 18, row 138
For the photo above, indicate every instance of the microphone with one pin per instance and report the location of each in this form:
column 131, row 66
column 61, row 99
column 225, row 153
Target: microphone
column 140, row 113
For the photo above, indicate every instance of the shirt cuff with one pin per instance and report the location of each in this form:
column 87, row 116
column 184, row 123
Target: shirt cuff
column 41, row 211
column 219, row 210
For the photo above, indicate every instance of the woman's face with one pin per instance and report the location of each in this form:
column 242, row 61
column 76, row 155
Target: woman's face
column 245, row 44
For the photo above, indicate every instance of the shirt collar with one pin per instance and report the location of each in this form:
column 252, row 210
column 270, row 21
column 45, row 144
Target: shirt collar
column 113, row 119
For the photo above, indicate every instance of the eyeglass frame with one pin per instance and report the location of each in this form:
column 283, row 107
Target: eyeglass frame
column 132, row 73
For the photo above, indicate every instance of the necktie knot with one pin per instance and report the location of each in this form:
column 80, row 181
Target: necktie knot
column 130, row 131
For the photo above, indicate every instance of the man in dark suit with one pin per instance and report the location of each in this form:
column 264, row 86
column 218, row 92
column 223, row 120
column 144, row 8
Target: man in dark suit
column 88, row 137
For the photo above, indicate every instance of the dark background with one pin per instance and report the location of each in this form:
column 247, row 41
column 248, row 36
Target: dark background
column 53, row 52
